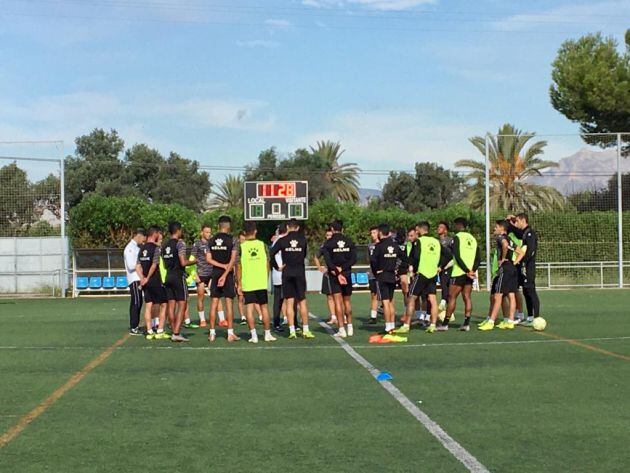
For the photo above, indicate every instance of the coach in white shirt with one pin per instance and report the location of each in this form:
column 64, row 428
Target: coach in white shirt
column 131, row 260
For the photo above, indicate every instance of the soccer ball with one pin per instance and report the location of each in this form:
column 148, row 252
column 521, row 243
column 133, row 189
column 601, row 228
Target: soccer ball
column 539, row 324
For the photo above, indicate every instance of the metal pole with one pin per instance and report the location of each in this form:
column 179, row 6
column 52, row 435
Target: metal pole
column 62, row 198
column 487, row 192
column 619, row 211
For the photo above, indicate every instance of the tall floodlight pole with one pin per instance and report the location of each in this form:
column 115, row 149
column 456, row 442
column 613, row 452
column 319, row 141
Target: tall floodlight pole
column 619, row 211
column 487, row 192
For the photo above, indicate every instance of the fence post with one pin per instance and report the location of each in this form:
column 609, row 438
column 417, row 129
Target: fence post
column 549, row 275
column 601, row 274
column 62, row 212
column 619, row 211
column 487, row 192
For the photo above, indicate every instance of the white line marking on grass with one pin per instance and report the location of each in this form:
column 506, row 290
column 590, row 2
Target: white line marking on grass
column 324, row 347
column 448, row 442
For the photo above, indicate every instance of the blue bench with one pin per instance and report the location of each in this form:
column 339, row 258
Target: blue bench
column 109, row 283
column 82, row 283
column 363, row 279
column 96, row 282
column 121, row 282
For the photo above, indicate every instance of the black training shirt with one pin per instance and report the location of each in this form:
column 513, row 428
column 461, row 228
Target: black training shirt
column 293, row 250
column 385, row 259
column 339, row 251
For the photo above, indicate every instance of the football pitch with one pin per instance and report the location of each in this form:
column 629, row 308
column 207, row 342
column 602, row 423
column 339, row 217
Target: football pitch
column 79, row 395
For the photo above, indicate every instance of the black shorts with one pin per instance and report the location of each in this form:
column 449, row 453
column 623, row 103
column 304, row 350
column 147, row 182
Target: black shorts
column 527, row 275
column 422, row 286
column 154, row 294
column 372, row 283
column 336, row 287
column 294, row 286
column 506, row 280
column 205, row 280
column 256, row 297
column 462, row 281
column 385, row 290
column 228, row 289
column 176, row 288
column 326, row 288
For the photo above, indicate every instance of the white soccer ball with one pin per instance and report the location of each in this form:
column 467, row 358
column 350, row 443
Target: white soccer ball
column 539, row 324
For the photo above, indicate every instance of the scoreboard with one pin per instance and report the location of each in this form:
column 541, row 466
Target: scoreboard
column 276, row 200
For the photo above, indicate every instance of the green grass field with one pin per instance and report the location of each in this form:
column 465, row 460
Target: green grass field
column 538, row 403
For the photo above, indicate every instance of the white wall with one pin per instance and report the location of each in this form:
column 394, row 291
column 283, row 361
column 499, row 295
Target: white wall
column 29, row 264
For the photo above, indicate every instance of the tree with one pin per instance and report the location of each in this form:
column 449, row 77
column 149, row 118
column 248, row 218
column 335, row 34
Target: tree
column 343, row 178
column 97, row 168
column 16, row 203
column 432, row 187
column 96, row 162
column 604, row 199
column 266, row 168
column 591, row 86
column 228, row 194
column 181, row 182
column 513, row 160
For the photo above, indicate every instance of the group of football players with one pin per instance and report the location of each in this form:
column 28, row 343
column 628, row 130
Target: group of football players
column 241, row 268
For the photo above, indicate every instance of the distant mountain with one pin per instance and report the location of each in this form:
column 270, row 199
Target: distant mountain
column 585, row 170
column 366, row 194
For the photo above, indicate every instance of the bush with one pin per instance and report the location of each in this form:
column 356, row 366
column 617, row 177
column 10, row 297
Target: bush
column 563, row 236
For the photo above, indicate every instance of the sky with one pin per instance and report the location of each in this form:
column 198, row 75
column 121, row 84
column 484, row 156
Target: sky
column 395, row 81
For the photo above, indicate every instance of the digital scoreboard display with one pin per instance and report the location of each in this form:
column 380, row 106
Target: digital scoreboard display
column 276, row 200
column 276, row 189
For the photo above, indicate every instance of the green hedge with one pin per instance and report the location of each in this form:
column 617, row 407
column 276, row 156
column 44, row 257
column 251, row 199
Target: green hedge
column 99, row 222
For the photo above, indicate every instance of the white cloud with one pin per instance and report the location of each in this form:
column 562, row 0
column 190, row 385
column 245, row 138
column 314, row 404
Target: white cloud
column 69, row 115
column 396, row 139
column 278, row 23
column 258, row 43
column 382, row 5
column 593, row 15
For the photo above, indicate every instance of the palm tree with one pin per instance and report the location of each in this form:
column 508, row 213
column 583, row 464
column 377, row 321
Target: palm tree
column 513, row 161
column 228, row 194
column 343, row 178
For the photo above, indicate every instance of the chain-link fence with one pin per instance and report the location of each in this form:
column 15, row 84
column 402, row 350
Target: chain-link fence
column 573, row 190
column 33, row 247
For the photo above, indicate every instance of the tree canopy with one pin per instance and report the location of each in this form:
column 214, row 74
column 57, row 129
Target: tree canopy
column 514, row 159
column 100, row 168
column 431, row 187
column 591, row 86
column 320, row 166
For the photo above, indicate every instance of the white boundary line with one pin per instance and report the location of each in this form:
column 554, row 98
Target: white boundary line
column 448, row 442
column 324, row 347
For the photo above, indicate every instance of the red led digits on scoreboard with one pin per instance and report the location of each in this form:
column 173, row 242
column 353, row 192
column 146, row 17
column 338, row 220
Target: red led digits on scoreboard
column 276, row 189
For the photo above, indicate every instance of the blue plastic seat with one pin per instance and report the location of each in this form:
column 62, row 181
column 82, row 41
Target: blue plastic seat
column 121, row 282
column 353, row 277
column 363, row 279
column 82, row 283
column 96, row 282
column 109, row 282
column 192, row 285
